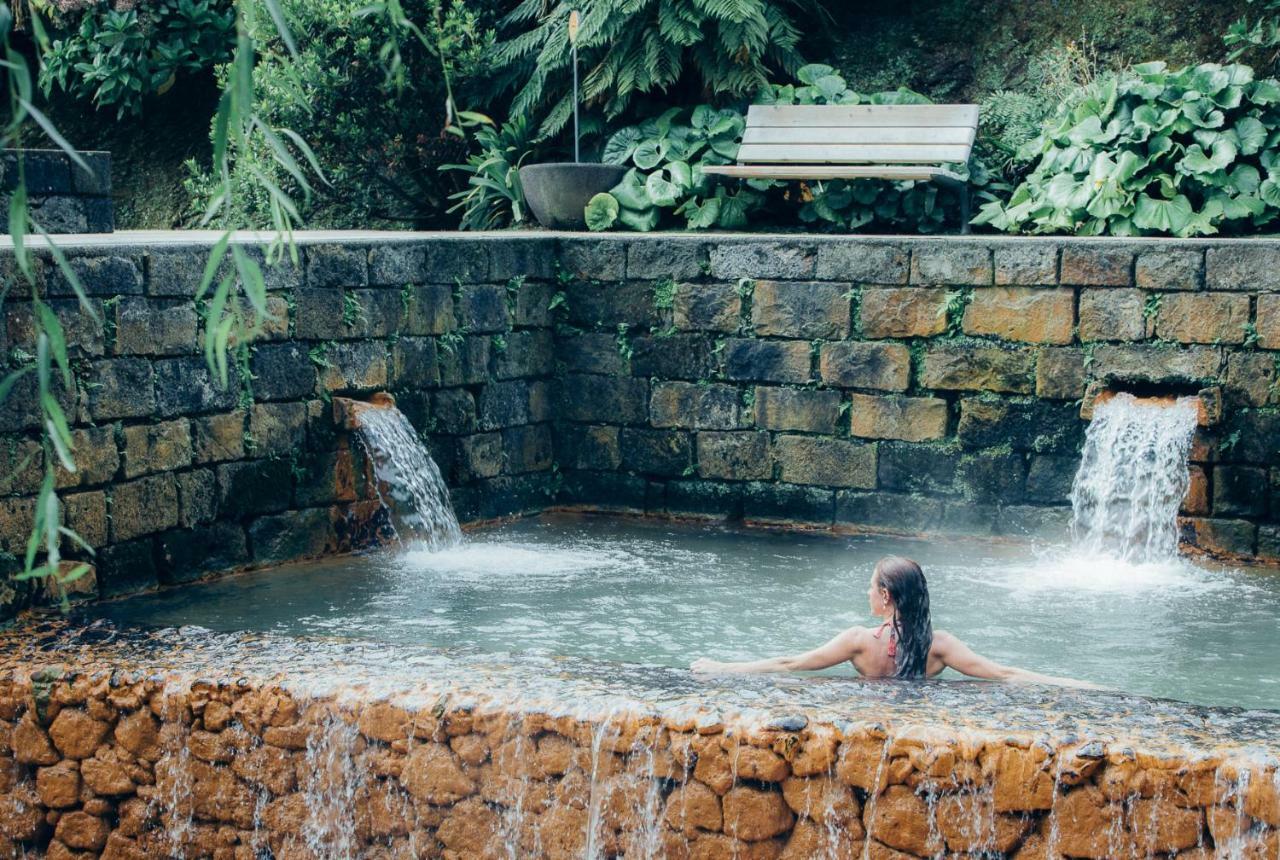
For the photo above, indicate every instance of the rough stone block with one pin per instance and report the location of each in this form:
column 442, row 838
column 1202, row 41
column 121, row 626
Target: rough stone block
column 903, row 312
column 177, row 273
column 20, row 410
column 337, row 266
column 254, row 487
column 82, row 333
column 1155, row 363
column 1039, row 426
column 17, row 518
column 800, row 309
column 1114, row 314
column 1224, row 537
column 22, row 466
column 184, row 386
column 766, row 361
column 1251, row 378
column 1196, row 502
column 86, row 515
column 1240, row 491
column 97, row 459
column 1060, row 373
column 1049, row 478
column 592, row 352
column 699, row 498
column 480, row 456
column 882, row 366
column 735, row 456
column 277, row 429
column 677, row 356
column 826, row 462
column 379, row 313
column 1203, row 318
column 913, row 467
column 796, row 409
column 217, row 438
column 950, row 262
column 143, row 507
column 701, row 407
column 677, row 259
column 764, row 502
column 785, row 261
column 912, row 419
column 594, row 259
column 187, row 555
column 603, row 399
column 1250, row 436
column 1169, row 269
column 503, row 404
column 456, row 260
column 465, row 363
column 991, row 477
column 429, row 311
column 584, row 446
column 455, row 410
column 483, row 308
column 706, row 307
column 893, row 512
column 607, row 491
column 1096, row 266
column 319, row 315
column 355, row 366
column 197, row 497
column 126, row 568
column 120, row 388
column 162, row 447
column 527, row 353
column 103, row 275
column 291, row 535
column 415, row 363
column 397, row 265
column 148, row 328
column 967, row 367
column 666, row 453
column 1245, row 267
column 1026, row 263
column 631, row 304
column 863, row 262
column 521, row 257
column 282, row 371
column 533, row 304
column 527, row 449
column 1030, row 314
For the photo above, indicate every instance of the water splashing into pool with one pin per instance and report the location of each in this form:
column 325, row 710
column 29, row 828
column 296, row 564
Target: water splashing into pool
column 1132, row 479
column 420, row 500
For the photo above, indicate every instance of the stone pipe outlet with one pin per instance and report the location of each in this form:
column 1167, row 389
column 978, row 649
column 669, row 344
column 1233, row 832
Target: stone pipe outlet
column 347, row 411
column 1208, row 402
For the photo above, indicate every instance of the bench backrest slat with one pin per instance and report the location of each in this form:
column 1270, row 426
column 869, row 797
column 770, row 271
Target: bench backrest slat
column 858, row 134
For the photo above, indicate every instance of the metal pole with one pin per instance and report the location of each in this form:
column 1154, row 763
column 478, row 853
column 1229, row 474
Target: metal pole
column 576, row 157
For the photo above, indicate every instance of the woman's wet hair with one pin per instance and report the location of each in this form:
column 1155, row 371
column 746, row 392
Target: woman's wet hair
column 903, row 579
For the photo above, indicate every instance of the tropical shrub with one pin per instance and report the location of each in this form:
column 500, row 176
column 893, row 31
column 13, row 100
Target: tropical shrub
column 667, row 181
column 493, row 196
column 1186, row 152
column 117, row 57
column 721, row 48
column 373, row 103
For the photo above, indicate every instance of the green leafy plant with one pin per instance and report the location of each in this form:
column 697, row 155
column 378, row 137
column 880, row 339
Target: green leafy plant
column 1261, row 34
column 723, row 48
column 1186, row 152
column 116, row 57
column 493, row 196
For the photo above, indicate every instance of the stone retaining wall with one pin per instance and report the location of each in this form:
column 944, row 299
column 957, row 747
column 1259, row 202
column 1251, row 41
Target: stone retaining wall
column 64, row 197
column 136, row 767
column 905, row 384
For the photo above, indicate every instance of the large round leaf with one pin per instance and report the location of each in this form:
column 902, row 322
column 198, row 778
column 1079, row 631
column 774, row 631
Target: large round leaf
column 1164, row 216
column 650, row 153
column 661, row 192
column 643, row 221
column 602, row 211
column 630, row 192
column 621, row 146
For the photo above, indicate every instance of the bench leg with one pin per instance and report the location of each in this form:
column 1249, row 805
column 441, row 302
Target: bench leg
column 964, row 210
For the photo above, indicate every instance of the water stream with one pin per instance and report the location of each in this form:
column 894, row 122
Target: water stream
column 1132, row 479
column 419, row 499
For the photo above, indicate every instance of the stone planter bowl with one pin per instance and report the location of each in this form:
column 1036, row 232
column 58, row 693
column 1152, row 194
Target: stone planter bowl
column 557, row 193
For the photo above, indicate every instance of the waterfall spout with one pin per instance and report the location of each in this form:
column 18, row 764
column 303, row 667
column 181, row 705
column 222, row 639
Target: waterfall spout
column 1133, row 476
column 419, row 500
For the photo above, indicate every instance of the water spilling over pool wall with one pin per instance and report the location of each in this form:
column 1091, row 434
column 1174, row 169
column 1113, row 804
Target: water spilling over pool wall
column 912, row 385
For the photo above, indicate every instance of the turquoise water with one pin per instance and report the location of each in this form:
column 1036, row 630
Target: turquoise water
column 662, row 593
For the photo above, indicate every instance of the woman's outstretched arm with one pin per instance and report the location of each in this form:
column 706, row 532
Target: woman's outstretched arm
column 959, row 656
column 841, row 648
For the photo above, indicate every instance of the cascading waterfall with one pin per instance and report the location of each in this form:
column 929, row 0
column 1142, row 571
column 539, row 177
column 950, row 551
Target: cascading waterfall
column 1132, row 478
column 402, row 463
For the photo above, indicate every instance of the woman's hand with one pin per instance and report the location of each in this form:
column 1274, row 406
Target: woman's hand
column 704, row 666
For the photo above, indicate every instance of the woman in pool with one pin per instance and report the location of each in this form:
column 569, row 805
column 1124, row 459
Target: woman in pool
column 904, row 646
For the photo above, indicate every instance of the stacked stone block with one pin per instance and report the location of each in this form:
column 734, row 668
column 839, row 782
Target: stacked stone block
column 909, row 385
column 63, row 196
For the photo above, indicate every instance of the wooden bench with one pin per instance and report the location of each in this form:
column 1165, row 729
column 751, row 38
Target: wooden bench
column 895, row 142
